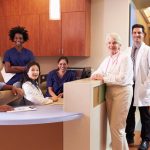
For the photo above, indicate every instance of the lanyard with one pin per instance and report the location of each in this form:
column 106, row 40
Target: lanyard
column 114, row 63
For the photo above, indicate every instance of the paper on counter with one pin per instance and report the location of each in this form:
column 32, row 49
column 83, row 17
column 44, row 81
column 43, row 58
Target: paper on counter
column 23, row 108
column 6, row 76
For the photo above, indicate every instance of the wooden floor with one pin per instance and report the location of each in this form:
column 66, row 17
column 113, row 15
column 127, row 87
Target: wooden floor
column 137, row 140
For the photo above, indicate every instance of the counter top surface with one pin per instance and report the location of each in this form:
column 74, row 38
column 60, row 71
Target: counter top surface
column 42, row 114
column 86, row 81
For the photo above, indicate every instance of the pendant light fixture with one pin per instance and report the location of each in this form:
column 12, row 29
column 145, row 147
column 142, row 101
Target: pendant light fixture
column 54, row 10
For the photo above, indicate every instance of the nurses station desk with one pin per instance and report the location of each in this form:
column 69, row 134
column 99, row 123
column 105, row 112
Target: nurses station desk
column 78, row 124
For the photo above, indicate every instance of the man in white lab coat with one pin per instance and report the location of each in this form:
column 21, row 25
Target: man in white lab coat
column 140, row 54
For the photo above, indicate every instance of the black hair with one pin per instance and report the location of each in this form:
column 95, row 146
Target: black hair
column 63, row 58
column 26, row 77
column 138, row 26
column 20, row 30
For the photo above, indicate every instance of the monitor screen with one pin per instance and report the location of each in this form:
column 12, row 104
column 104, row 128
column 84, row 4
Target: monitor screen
column 81, row 72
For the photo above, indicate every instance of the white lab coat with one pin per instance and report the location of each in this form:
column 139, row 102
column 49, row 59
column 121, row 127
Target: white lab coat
column 34, row 94
column 142, row 77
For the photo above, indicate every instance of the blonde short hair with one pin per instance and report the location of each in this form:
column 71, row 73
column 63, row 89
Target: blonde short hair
column 114, row 36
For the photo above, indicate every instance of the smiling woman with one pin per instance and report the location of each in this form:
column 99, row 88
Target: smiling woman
column 117, row 72
column 32, row 92
column 56, row 78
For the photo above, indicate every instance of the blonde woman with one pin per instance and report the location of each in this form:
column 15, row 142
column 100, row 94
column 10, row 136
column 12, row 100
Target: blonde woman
column 117, row 72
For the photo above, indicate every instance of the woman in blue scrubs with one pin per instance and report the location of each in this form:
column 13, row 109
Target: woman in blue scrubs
column 56, row 78
column 16, row 58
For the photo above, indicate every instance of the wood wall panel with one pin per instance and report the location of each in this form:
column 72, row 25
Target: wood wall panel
column 50, row 36
column 9, row 7
column 6, row 23
column 3, row 36
column 88, row 28
column 24, row 13
column 21, row 7
column 11, row 21
column 34, row 6
column 28, row 7
column 73, row 33
column 72, row 5
column 31, row 23
column 43, row 6
column 47, row 37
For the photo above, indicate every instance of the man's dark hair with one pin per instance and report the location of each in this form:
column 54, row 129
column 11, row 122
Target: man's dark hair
column 20, row 30
column 138, row 26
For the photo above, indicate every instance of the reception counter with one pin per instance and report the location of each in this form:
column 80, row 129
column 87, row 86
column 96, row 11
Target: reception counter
column 79, row 124
column 89, row 133
column 40, row 129
column 41, row 115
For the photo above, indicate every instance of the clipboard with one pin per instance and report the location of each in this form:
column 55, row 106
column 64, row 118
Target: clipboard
column 6, row 76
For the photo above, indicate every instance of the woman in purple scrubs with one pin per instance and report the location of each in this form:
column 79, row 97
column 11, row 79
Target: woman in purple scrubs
column 16, row 58
column 56, row 78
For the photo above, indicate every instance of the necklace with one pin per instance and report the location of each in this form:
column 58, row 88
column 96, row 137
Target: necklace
column 113, row 64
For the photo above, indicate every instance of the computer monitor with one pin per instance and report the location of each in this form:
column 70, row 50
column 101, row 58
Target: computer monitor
column 81, row 72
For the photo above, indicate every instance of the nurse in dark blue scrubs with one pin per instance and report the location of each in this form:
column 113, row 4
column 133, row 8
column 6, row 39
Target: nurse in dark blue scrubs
column 56, row 78
column 16, row 58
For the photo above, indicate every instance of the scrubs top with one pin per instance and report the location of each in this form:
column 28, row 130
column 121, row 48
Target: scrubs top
column 17, row 58
column 54, row 81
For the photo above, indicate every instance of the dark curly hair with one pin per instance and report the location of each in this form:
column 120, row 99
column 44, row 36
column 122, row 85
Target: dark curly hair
column 20, row 30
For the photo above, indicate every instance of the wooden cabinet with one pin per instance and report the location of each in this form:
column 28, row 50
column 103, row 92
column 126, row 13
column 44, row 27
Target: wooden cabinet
column 22, row 13
column 73, row 5
column 76, row 28
column 11, row 21
column 50, row 37
column 31, row 23
column 9, row 7
column 6, row 23
column 73, row 34
column 3, row 36
column 34, row 6
column 69, row 36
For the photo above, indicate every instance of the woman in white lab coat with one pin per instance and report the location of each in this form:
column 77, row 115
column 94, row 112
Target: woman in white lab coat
column 32, row 91
column 117, row 72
